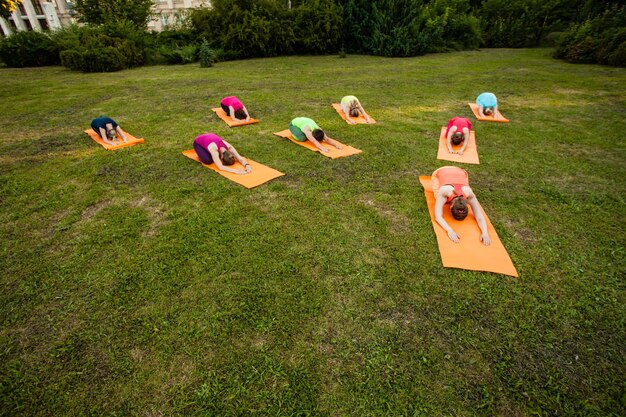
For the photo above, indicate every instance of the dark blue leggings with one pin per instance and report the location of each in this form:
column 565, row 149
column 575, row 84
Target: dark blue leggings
column 203, row 153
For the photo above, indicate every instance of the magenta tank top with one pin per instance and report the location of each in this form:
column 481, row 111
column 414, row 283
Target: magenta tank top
column 232, row 101
column 209, row 138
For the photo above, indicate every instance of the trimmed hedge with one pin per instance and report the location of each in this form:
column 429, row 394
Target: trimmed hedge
column 101, row 49
column 29, row 49
column 106, row 59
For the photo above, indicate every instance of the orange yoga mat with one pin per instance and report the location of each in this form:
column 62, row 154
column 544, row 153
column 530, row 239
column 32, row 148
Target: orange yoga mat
column 358, row 120
column 333, row 153
column 500, row 118
column 229, row 121
column 131, row 140
column 470, row 155
column 260, row 173
column 469, row 253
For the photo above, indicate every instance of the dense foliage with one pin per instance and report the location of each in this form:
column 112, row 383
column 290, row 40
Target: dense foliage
column 99, row 12
column 243, row 28
column 29, row 49
column 524, row 23
column 585, row 31
column 101, row 49
column 408, row 27
column 601, row 39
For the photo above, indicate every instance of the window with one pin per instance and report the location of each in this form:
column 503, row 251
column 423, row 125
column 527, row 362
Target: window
column 37, row 6
column 22, row 9
column 44, row 24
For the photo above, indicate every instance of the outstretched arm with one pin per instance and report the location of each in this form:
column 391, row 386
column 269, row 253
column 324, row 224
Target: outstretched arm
column 480, row 219
column 333, row 142
column 451, row 133
column 347, row 113
column 367, row 116
column 218, row 162
column 309, row 136
column 247, row 114
column 240, row 158
column 481, row 110
column 495, row 111
column 466, row 136
column 121, row 133
column 441, row 200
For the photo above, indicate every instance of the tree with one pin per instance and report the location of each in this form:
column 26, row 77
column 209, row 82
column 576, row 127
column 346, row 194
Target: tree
column 7, row 7
column 98, row 12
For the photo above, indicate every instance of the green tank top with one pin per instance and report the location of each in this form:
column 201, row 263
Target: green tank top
column 348, row 99
column 302, row 122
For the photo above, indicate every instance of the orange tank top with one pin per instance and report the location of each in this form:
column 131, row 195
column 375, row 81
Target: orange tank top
column 456, row 177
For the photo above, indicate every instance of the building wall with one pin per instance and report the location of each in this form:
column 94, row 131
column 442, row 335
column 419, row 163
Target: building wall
column 172, row 12
column 37, row 15
column 54, row 14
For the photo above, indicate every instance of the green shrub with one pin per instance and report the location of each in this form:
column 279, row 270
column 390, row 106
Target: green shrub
column 206, row 55
column 107, row 59
column 179, row 37
column 72, row 59
column 408, row 27
column 317, row 27
column 29, row 49
column 242, row 29
column 524, row 23
column 98, row 12
column 618, row 56
column 183, row 55
column 597, row 40
column 69, row 37
column 249, row 36
column 107, row 48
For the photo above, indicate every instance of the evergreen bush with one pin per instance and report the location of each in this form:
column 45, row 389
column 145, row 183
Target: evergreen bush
column 29, row 49
column 179, row 55
column 72, row 59
column 206, row 55
column 101, row 49
column 601, row 39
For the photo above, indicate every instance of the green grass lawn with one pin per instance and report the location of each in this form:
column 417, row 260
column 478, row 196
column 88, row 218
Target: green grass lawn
column 136, row 282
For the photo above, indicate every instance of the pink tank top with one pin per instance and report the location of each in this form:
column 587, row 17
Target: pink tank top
column 456, row 177
column 232, row 101
column 460, row 123
column 209, row 138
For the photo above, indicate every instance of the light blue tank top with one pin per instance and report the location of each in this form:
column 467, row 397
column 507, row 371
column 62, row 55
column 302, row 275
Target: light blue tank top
column 487, row 100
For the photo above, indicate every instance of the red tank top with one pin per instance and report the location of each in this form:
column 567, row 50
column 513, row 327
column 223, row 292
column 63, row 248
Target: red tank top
column 460, row 123
column 209, row 138
column 456, row 177
column 232, row 101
